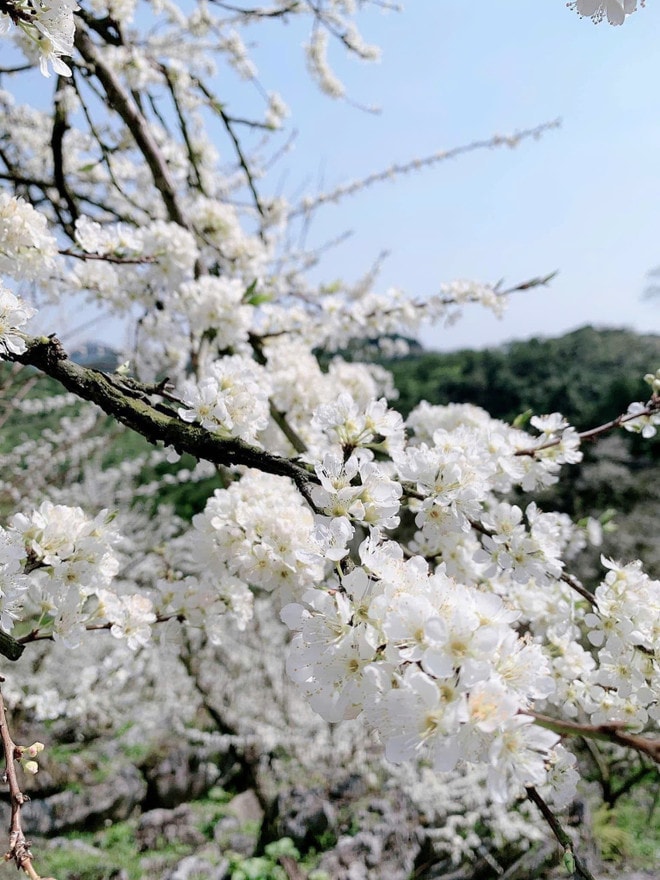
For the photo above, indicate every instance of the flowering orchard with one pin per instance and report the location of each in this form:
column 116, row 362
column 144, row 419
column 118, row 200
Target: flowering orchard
column 418, row 596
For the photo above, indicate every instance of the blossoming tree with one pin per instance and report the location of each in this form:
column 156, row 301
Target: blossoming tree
column 419, row 596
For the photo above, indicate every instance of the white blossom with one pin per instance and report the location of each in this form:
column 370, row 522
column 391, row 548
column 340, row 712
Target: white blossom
column 27, row 249
column 14, row 313
column 614, row 10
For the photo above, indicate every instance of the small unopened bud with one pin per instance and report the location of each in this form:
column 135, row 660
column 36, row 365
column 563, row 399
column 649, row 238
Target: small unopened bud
column 569, row 861
column 30, row 767
column 653, row 379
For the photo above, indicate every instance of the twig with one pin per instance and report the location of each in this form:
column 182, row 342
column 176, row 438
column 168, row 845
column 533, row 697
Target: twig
column 575, row 584
column 652, row 407
column 227, row 122
column 183, row 126
column 611, row 731
column 566, row 578
column 396, row 169
column 19, row 847
column 581, row 870
column 43, row 635
column 107, row 258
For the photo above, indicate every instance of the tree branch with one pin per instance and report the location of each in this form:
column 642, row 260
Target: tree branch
column 581, row 870
column 152, row 421
column 612, row 731
column 122, row 103
column 652, row 407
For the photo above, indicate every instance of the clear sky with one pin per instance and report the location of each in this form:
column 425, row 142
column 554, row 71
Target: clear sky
column 584, row 200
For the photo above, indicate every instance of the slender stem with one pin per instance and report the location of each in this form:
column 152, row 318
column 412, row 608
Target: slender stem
column 107, row 258
column 19, row 848
column 242, row 161
column 581, row 870
column 652, row 407
column 568, row 579
column 44, row 635
column 417, row 164
column 575, row 584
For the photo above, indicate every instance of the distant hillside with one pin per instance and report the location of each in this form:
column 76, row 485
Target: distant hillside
column 588, row 375
column 97, row 355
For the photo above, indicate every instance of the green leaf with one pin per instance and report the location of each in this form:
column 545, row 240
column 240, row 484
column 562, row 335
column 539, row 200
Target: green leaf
column 252, row 298
column 523, row 418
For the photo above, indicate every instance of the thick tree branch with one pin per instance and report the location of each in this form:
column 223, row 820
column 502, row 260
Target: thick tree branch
column 153, row 421
column 613, row 732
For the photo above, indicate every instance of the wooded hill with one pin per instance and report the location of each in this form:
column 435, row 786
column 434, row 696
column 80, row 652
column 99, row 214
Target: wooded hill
column 588, row 375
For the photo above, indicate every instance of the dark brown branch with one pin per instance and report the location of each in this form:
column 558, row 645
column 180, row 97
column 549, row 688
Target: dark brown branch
column 20, row 68
column 152, row 422
column 613, row 732
column 581, row 870
column 60, row 126
column 575, row 584
column 122, row 103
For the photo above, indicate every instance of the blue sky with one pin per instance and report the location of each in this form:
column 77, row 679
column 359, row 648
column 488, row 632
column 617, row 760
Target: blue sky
column 584, row 200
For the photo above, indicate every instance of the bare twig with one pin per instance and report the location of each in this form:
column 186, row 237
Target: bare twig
column 19, row 847
column 228, row 124
column 581, row 871
column 575, row 584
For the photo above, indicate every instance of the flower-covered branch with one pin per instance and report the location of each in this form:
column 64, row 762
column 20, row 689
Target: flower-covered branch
column 118, row 399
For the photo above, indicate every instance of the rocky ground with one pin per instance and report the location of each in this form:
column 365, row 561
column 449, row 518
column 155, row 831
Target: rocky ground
column 192, row 812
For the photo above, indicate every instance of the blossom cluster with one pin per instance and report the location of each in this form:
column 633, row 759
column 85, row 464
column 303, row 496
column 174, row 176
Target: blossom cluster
column 48, row 26
column 231, row 400
column 597, row 10
column 425, row 589
column 434, row 665
column 27, row 247
column 58, row 566
column 14, row 314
